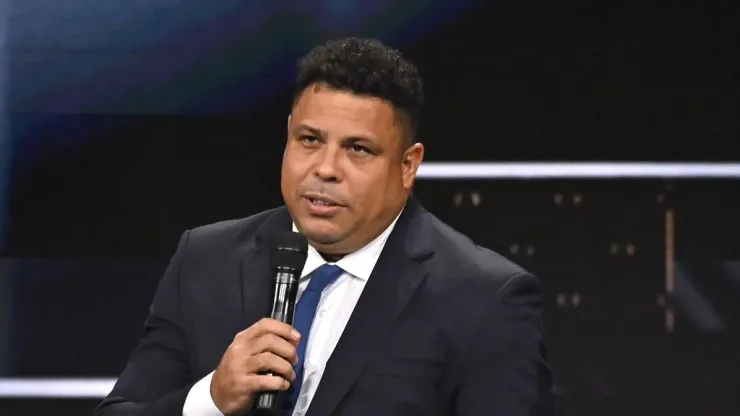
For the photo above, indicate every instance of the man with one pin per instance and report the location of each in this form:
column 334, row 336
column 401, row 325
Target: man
column 412, row 317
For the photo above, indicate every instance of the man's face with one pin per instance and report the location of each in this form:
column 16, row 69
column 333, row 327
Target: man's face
column 345, row 174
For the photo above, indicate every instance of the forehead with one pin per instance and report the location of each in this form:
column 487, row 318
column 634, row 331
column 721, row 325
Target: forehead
column 337, row 110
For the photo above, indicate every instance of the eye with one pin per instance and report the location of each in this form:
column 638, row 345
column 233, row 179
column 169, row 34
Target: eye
column 308, row 139
column 360, row 149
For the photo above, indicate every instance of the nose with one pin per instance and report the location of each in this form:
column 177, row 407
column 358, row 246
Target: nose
column 327, row 166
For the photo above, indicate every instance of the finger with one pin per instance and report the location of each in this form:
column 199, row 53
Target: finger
column 269, row 362
column 271, row 326
column 267, row 383
column 276, row 345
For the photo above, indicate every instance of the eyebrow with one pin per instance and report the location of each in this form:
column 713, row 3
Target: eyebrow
column 321, row 133
column 312, row 130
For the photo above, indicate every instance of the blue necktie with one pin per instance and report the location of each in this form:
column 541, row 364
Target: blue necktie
column 305, row 310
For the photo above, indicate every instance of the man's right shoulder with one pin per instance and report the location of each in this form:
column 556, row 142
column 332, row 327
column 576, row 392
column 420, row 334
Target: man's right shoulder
column 227, row 233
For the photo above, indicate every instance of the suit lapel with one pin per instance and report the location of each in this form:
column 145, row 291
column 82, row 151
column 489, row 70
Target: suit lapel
column 257, row 283
column 397, row 275
column 256, row 286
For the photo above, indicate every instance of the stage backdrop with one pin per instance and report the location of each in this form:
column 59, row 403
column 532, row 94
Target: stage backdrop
column 125, row 123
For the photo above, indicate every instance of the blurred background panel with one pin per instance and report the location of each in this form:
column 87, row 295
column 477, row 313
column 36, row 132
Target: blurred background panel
column 124, row 123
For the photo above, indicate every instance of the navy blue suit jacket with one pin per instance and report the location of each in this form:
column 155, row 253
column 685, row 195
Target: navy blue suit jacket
column 443, row 327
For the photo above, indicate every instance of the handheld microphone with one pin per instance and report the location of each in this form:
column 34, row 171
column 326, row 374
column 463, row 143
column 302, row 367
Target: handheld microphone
column 292, row 250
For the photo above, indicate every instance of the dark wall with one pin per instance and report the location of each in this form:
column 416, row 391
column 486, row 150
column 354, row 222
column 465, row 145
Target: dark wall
column 512, row 81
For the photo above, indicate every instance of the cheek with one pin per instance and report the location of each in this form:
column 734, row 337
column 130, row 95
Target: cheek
column 292, row 169
column 369, row 191
column 288, row 185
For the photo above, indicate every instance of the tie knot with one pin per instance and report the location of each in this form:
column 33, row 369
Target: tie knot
column 323, row 277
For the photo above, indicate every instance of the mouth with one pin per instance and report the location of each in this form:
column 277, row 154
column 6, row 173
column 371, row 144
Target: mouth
column 321, row 206
column 322, row 200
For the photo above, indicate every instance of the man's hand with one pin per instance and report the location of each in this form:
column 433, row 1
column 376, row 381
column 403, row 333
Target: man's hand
column 267, row 346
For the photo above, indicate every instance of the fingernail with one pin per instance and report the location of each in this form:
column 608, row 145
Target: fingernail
column 295, row 334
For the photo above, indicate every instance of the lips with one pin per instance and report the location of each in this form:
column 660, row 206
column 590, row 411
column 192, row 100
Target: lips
column 322, row 200
column 322, row 206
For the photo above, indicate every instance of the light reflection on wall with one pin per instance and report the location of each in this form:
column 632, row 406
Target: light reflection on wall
column 5, row 158
column 5, row 139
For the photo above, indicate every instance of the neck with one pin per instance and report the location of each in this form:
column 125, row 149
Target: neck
column 331, row 258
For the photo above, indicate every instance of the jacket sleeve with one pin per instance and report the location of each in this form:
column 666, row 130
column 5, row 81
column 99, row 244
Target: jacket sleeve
column 156, row 379
column 505, row 371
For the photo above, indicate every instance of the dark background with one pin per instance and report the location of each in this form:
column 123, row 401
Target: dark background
column 125, row 124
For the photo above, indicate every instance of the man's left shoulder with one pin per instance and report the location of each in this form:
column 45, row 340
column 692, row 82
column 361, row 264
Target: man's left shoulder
column 459, row 258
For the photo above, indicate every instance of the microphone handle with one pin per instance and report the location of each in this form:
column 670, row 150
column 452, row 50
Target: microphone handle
column 283, row 310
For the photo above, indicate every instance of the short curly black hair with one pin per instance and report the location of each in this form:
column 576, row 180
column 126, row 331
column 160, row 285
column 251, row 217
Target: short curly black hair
column 366, row 67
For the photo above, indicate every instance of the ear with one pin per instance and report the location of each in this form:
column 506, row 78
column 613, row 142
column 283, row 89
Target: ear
column 288, row 125
column 410, row 162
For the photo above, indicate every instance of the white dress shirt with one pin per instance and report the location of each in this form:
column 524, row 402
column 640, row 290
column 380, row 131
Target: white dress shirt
column 335, row 307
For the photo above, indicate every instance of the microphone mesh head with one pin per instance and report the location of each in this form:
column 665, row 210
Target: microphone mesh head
column 292, row 250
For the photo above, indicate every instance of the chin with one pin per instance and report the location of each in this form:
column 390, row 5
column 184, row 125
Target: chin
column 324, row 239
column 320, row 230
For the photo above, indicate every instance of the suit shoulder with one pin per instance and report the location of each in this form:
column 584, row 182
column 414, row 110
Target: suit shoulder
column 228, row 231
column 462, row 253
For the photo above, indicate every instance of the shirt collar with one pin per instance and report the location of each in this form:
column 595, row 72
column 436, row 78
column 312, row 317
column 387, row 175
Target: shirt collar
column 359, row 264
